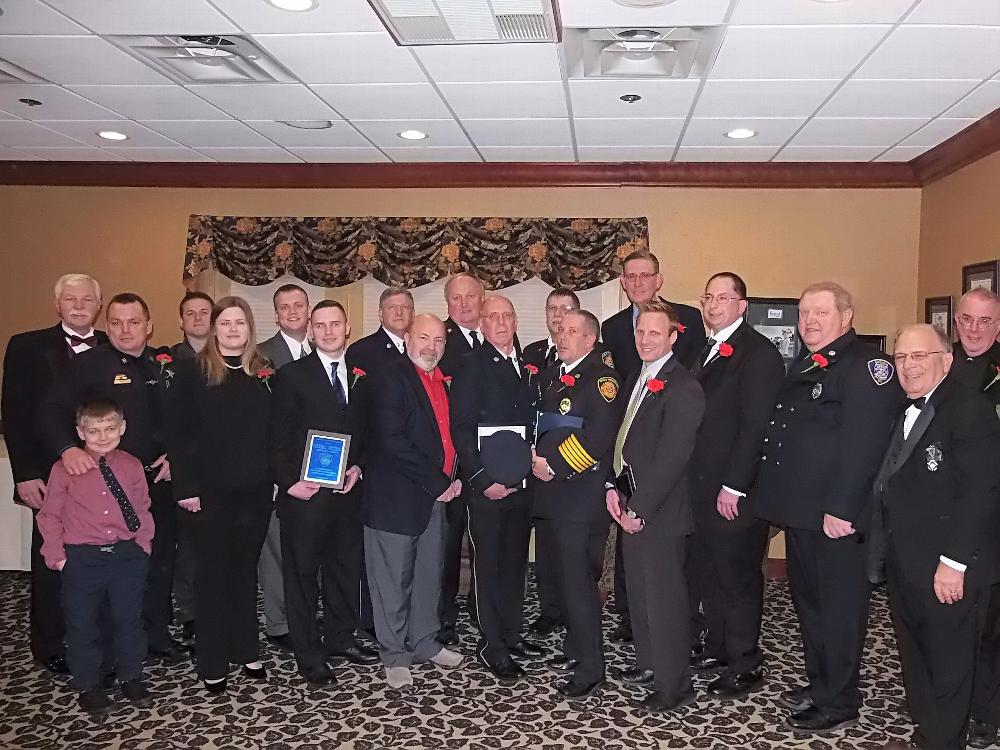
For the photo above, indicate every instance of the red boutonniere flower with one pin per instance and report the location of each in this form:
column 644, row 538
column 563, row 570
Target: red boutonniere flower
column 358, row 373
column 532, row 370
column 164, row 360
column 725, row 349
column 264, row 375
column 567, row 380
column 447, row 380
column 818, row 360
column 655, row 385
column 681, row 328
column 996, row 377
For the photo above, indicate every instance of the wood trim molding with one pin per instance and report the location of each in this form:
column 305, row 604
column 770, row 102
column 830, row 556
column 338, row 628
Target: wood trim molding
column 976, row 142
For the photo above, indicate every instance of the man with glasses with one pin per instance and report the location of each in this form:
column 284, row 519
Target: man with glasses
column 641, row 279
column 822, row 448
column 976, row 363
column 934, row 527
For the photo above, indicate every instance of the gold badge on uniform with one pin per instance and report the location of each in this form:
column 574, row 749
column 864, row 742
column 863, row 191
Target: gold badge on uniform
column 608, row 388
column 122, row 379
column 564, row 406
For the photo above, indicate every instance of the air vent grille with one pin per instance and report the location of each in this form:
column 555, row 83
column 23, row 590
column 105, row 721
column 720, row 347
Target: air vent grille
column 205, row 59
column 523, row 28
column 425, row 22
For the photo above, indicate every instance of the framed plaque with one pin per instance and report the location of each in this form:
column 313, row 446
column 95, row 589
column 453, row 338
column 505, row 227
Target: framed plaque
column 937, row 312
column 777, row 318
column 980, row 276
column 325, row 459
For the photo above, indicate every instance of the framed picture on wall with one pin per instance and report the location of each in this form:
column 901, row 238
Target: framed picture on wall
column 873, row 339
column 980, row 276
column 777, row 318
column 937, row 312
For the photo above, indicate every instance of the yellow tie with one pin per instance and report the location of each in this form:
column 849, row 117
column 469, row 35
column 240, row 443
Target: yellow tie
column 633, row 406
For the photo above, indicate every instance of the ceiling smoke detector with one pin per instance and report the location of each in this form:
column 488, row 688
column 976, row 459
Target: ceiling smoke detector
column 307, row 124
column 640, row 52
column 630, row 98
column 426, row 22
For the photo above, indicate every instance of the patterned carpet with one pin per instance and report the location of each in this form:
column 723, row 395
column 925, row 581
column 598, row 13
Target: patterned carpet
column 463, row 708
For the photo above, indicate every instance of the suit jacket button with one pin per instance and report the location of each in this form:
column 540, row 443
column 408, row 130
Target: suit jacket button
column 777, row 406
column 772, row 421
column 784, row 426
column 779, row 445
column 791, row 408
column 767, row 440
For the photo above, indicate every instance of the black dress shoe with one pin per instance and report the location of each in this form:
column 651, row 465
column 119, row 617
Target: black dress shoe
column 318, row 677
column 544, row 625
column 356, row 654
column 635, row 676
column 255, row 673
column 623, row 633
column 981, row 734
column 506, row 672
column 96, row 702
column 56, row 665
column 137, row 694
column 283, row 642
column 216, row 688
column 171, row 653
column 705, row 664
column 813, row 719
column 658, row 703
column 447, row 635
column 187, row 633
column 796, row 699
column 526, row 650
column 573, row 690
column 562, row 664
column 734, row 686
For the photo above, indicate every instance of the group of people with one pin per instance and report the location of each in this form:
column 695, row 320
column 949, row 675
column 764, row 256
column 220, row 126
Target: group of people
column 166, row 483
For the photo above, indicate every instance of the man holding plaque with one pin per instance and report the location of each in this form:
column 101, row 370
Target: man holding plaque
column 494, row 388
column 320, row 517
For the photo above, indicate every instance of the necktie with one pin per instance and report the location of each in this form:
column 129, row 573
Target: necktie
column 562, row 370
column 705, row 352
column 338, row 387
column 475, row 339
column 128, row 512
column 633, row 405
column 302, row 351
column 550, row 355
column 75, row 340
column 917, row 402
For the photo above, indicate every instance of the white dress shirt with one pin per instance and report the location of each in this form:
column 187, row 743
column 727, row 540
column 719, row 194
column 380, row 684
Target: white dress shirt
column 467, row 332
column 297, row 348
column 721, row 337
column 77, row 347
column 398, row 342
column 650, row 368
column 568, row 369
column 328, row 361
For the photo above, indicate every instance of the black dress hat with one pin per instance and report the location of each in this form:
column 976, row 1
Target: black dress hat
column 506, row 457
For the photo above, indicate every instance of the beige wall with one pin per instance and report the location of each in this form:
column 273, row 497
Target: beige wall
column 959, row 225
column 779, row 240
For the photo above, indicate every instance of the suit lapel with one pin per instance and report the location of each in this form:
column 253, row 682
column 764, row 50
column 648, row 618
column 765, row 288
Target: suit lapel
column 734, row 341
column 648, row 398
column 921, row 424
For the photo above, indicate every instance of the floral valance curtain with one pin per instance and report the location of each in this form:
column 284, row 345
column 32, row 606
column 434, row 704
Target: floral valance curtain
column 333, row 251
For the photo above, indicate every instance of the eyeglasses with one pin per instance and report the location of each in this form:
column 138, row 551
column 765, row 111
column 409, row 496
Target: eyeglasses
column 497, row 317
column 559, row 309
column 967, row 321
column 399, row 308
column 918, row 357
column 722, row 299
column 631, row 278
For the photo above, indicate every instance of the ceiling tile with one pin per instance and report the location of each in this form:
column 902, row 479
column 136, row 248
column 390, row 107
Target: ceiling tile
column 57, row 103
column 973, row 12
column 491, row 62
column 900, row 153
column 146, row 16
column 209, row 133
column 19, row 133
column 601, row 98
column 170, row 102
column 340, row 155
column 711, row 131
column 158, row 154
column 898, row 98
column 625, row 153
column 935, row 52
column 816, row 153
column 266, row 101
column 768, row 98
column 227, row 154
column 937, row 131
column 81, row 153
column 343, row 58
column 844, row 132
column 34, row 17
column 75, row 60
column 706, row 153
column 506, row 100
column 440, row 133
column 637, row 132
column 338, row 134
column 432, row 154
column 10, row 154
column 797, row 11
column 336, row 16
column 393, row 101
column 794, row 51
column 7, row 116
column 87, row 131
column 527, row 153
column 597, row 13
column 539, row 132
column 979, row 103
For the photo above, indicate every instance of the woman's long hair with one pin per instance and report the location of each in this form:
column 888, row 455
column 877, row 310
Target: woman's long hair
column 210, row 358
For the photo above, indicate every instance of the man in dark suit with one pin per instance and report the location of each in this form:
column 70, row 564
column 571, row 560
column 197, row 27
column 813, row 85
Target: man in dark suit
column 464, row 294
column 936, row 503
column 822, row 449
column 542, row 354
column 411, row 463
column 741, row 373
column 653, row 508
column 320, row 527
column 195, row 315
column 33, row 361
column 128, row 373
column 976, row 364
column 291, row 342
column 493, row 387
column 580, row 401
column 641, row 279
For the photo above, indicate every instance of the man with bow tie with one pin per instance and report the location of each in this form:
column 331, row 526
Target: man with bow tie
column 935, row 521
column 33, row 361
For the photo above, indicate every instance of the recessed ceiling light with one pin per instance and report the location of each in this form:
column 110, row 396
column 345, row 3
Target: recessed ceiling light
column 113, row 135
column 740, row 133
column 412, row 135
column 630, row 98
column 307, row 124
column 293, row 5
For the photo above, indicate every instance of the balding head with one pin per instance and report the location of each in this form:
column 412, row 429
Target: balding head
column 425, row 341
column 499, row 322
column 978, row 321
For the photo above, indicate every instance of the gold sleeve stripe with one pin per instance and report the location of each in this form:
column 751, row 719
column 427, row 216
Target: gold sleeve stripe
column 578, row 457
column 579, row 447
column 573, row 459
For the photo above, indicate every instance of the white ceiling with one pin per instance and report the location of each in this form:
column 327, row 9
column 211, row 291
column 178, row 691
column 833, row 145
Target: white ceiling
column 855, row 80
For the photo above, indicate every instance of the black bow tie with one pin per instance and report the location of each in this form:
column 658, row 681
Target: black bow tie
column 75, row 340
column 917, row 402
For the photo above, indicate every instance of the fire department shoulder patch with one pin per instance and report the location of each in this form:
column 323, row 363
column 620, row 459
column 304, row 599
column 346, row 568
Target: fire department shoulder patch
column 608, row 388
column 881, row 371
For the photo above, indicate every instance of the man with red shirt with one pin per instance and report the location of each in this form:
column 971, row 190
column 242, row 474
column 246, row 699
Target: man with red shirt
column 409, row 478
